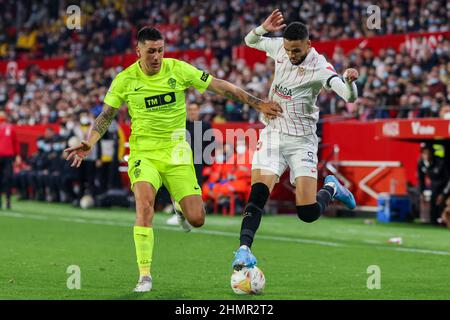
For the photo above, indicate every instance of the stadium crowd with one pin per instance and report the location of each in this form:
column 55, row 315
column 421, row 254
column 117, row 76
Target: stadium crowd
column 37, row 29
column 392, row 84
column 401, row 84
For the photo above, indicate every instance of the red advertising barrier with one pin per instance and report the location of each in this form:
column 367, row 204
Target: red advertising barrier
column 417, row 129
column 381, row 157
column 367, row 145
column 27, row 135
column 410, row 40
column 367, row 179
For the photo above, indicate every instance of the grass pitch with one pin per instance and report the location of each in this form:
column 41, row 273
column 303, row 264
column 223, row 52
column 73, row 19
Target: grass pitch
column 328, row 259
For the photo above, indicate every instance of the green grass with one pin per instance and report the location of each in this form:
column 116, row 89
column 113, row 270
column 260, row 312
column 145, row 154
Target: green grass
column 324, row 260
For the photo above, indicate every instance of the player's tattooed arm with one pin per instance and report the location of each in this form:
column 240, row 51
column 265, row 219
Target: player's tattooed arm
column 226, row 89
column 79, row 152
column 104, row 119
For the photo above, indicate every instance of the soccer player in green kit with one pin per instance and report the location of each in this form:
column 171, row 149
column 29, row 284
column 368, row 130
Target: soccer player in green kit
column 153, row 89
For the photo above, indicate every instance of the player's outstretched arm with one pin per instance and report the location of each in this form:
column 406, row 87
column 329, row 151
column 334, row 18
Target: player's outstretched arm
column 101, row 124
column 347, row 89
column 274, row 22
column 224, row 88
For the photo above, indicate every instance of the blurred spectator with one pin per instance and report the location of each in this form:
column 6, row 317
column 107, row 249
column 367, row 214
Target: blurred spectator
column 90, row 165
column 445, row 216
column 392, row 84
column 9, row 152
column 444, row 112
column 433, row 175
column 197, row 139
column 37, row 29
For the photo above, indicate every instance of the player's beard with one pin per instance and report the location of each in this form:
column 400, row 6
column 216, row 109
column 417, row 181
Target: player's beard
column 299, row 61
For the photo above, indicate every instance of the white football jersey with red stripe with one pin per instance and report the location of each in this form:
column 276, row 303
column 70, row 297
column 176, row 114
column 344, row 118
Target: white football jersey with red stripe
column 296, row 88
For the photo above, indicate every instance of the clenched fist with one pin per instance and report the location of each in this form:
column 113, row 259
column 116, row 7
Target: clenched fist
column 351, row 75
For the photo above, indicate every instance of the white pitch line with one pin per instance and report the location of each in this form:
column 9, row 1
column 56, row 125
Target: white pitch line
column 216, row 232
column 445, row 253
column 225, row 233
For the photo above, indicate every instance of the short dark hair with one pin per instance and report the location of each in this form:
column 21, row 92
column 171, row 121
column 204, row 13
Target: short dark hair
column 296, row 31
column 149, row 33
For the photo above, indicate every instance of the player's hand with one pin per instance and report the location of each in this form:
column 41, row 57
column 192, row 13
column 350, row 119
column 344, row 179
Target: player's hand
column 351, row 75
column 274, row 22
column 270, row 109
column 78, row 153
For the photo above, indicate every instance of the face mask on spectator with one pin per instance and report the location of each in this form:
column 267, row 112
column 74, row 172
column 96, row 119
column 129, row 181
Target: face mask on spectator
column 405, row 73
column 426, row 104
column 70, row 125
column 416, row 70
column 376, row 83
column 447, row 116
column 63, row 130
column 84, row 120
column 392, row 84
column 433, row 81
column 58, row 146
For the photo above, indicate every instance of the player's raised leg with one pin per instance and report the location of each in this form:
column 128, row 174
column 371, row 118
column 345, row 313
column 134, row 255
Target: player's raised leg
column 311, row 205
column 182, row 184
column 144, row 194
column 179, row 217
column 193, row 210
column 263, row 182
column 341, row 193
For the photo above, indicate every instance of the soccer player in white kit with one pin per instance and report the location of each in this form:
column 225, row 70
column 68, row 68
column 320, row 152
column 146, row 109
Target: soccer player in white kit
column 291, row 139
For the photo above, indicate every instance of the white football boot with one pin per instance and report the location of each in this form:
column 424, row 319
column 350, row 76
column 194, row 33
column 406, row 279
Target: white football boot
column 173, row 220
column 182, row 221
column 144, row 284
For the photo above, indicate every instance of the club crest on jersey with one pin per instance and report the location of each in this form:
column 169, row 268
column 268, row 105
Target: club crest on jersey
column 301, row 70
column 137, row 172
column 172, row 83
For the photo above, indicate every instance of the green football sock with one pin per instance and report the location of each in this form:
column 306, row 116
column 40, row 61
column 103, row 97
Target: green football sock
column 143, row 241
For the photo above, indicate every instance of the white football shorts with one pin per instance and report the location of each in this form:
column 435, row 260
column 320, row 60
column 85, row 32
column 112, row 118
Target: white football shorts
column 276, row 151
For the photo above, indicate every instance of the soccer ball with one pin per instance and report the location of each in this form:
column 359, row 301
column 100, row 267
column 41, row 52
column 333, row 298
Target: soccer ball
column 248, row 281
column 86, row 202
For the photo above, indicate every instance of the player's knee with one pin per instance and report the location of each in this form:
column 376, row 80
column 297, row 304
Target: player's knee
column 309, row 213
column 197, row 221
column 144, row 206
column 196, row 217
